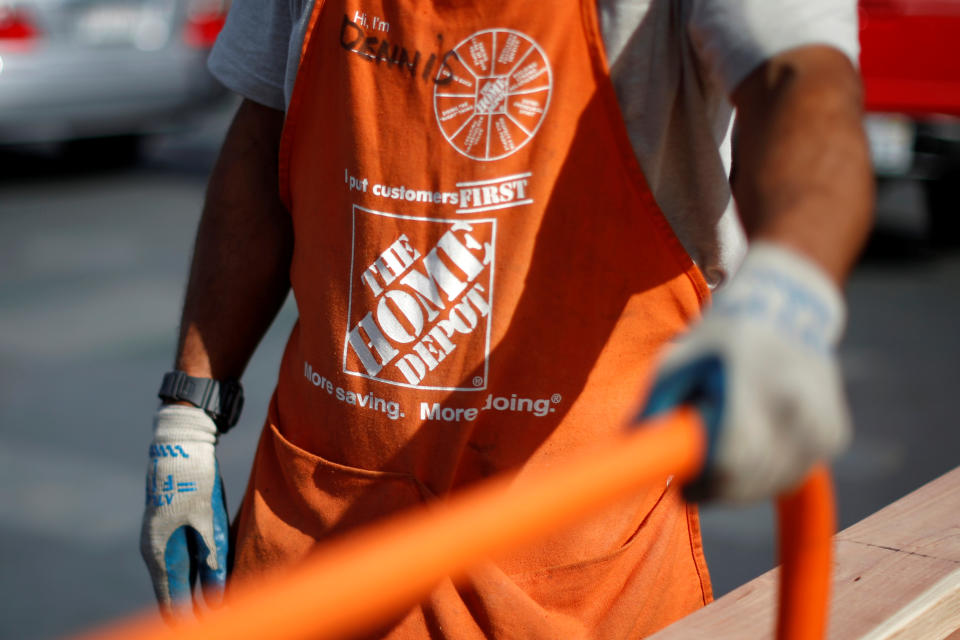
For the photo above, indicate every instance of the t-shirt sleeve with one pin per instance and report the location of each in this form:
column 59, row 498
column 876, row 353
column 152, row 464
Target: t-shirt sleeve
column 250, row 55
column 734, row 37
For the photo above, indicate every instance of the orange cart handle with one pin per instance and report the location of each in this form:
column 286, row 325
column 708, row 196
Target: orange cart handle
column 354, row 583
column 807, row 521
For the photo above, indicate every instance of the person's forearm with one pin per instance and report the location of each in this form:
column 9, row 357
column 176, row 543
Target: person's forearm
column 803, row 175
column 239, row 277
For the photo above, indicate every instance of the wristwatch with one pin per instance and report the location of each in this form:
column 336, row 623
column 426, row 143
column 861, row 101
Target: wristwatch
column 222, row 400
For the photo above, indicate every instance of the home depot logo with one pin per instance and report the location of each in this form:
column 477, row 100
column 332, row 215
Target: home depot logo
column 420, row 301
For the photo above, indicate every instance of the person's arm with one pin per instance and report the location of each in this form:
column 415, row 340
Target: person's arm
column 238, row 280
column 761, row 365
column 241, row 261
column 803, row 174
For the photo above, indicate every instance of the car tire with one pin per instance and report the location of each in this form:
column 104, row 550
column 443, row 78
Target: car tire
column 943, row 208
column 107, row 152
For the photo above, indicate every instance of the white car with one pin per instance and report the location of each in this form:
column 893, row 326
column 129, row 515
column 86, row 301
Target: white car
column 104, row 70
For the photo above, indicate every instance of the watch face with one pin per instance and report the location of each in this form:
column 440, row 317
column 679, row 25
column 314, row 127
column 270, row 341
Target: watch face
column 231, row 403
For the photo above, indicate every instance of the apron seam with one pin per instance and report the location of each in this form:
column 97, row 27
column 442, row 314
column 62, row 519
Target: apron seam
column 696, row 549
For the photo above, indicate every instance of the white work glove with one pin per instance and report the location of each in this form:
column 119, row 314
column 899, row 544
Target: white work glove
column 762, row 368
column 184, row 531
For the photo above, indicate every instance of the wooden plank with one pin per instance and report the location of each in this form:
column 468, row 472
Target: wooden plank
column 896, row 576
column 879, row 592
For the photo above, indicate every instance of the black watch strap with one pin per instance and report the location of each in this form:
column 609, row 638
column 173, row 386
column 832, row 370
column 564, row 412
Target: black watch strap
column 222, row 400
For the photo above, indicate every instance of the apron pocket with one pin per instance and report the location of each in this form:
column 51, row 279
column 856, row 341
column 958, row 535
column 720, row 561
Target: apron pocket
column 330, row 496
column 650, row 580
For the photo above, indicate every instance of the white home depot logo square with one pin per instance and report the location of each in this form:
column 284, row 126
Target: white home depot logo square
column 421, row 296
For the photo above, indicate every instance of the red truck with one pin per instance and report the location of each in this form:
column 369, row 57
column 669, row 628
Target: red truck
column 910, row 60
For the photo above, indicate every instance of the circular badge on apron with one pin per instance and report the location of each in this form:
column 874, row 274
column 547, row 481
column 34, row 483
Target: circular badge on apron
column 494, row 95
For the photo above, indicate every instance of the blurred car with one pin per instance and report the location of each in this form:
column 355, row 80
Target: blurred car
column 104, row 70
column 910, row 61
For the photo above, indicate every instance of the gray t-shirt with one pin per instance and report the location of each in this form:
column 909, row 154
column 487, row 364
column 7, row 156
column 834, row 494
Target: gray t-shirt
column 673, row 64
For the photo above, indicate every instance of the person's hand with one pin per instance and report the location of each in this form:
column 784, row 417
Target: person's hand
column 761, row 367
column 184, row 531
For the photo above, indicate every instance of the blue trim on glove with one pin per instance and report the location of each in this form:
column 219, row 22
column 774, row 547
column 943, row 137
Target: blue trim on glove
column 214, row 580
column 701, row 384
column 185, row 556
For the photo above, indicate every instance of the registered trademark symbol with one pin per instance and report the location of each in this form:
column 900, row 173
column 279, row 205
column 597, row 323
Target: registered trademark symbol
column 478, row 381
column 556, row 398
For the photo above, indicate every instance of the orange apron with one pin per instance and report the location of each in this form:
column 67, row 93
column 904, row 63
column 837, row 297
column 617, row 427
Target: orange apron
column 483, row 278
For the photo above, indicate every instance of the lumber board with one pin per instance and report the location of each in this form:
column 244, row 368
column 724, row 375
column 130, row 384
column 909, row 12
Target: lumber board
column 896, row 577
